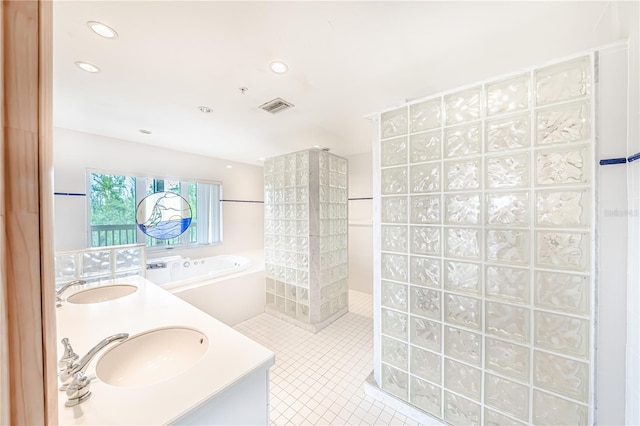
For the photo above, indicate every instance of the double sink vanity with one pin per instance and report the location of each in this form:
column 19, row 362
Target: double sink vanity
column 156, row 360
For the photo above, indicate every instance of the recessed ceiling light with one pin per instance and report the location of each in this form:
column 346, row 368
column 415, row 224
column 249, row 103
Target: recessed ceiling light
column 229, row 166
column 205, row 109
column 145, row 131
column 278, row 67
column 102, row 29
column 261, row 159
column 86, row 66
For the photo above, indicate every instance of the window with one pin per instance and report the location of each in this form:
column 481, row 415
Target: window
column 112, row 210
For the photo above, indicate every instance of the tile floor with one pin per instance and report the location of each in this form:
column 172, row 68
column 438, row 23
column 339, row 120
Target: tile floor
column 318, row 379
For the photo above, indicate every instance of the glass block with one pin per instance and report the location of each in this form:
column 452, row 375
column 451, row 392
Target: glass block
column 96, row 263
column 425, row 209
column 303, row 295
column 302, row 160
column 395, row 381
column 561, row 375
column 462, row 310
column 493, row 418
column 425, row 302
column 507, row 358
column 394, row 267
column 393, row 152
column 460, row 411
column 562, row 292
column 462, row 175
column 507, row 396
column 508, row 133
column 508, row 95
column 394, row 238
column 425, row 177
column 463, row 277
column 549, row 410
column 509, row 246
column 129, row 258
column 66, row 266
column 303, row 313
column 462, row 209
column 463, row 379
column 425, row 147
column 562, row 334
column 508, row 284
column 290, row 291
column 463, row 345
column 394, row 209
column 509, row 171
column 462, row 106
column 393, row 123
column 394, row 295
column 323, row 177
column 425, row 240
column 426, row 396
column 280, row 305
column 425, row 271
column 506, row 321
column 508, row 209
column 564, row 81
column 290, row 308
column 562, row 124
column 426, row 115
column 394, row 324
column 426, row 365
column 462, row 141
column 562, row 166
column 333, row 163
column 394, row 180
column 425, row 333
column 564, row 250
column 341, row 165
column 567, row 209
column 463, row 243
column 395, row 353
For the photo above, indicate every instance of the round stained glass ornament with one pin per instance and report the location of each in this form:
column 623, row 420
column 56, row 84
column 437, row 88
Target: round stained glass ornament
column 163, row 215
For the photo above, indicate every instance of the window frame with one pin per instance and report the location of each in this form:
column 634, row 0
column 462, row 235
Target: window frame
column 212, row 231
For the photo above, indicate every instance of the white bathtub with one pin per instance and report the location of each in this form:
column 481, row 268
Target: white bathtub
column 230, row 288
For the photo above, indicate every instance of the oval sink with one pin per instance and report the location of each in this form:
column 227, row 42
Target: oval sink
column 152, row 357
column 102, row 294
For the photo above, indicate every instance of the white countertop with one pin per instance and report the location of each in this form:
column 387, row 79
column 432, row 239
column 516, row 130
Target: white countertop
column 230, row 357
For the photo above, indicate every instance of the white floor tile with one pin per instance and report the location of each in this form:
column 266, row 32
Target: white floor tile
column 318, row 379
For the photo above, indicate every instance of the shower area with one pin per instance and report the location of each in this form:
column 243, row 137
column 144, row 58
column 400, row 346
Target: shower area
column 486, row 248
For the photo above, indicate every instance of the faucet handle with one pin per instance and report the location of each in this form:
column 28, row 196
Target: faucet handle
column 69, row 355
column 78, row 390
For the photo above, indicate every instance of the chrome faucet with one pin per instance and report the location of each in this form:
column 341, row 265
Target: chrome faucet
column 64, row 288
column 72, row 372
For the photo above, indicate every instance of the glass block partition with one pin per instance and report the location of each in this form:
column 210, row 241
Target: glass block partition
column 306, row 237
column 101, row 263
column 485, row 226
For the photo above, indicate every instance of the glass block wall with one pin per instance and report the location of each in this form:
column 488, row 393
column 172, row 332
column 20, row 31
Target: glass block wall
column 306, row 237
column 486, row 234
column 102, row 263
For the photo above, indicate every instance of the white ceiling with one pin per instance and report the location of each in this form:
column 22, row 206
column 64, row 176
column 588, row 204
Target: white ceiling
column 346, row 60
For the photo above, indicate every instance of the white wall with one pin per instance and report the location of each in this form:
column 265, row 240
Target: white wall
column 630, row 15
column 75, row 152
column 360, row 223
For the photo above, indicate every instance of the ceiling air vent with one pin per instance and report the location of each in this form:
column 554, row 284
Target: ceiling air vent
column 276, row 105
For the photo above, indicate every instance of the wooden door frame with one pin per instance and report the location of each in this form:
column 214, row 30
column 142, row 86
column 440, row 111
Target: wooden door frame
column 28, row 345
